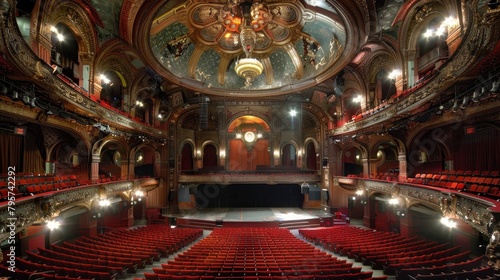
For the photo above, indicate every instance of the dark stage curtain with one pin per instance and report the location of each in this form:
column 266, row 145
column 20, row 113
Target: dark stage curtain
column 251, row 195
column 11, row 152
column 32, row 158
column 479, row 151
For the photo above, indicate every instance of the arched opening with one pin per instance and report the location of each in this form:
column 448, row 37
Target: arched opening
column 209, row 156
column 144, row 163
column 112, row 90
column 112, row 158
column 385, row 86
column 248, row 144
column 352, row 160
column 432, row 49
column 289, row 155
column 387, row 163
column 187, row 161
column 65, row 51
column 311, row 157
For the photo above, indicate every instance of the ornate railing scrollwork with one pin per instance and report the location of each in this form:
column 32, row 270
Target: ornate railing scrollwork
column 28, row 211
column 475, row 211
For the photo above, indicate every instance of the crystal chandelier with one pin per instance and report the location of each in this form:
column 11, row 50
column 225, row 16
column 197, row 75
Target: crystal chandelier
column 248, row 68
column 247, row 17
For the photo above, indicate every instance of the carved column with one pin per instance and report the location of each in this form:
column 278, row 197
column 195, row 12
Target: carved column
column 124, row 167
column 366, row 168
column 372, row 166
column 403, row 175
column 94, row 168
column 131, row 169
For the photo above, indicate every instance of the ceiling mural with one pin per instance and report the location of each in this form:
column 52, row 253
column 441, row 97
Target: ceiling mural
column 240, row 46
column 109, row 11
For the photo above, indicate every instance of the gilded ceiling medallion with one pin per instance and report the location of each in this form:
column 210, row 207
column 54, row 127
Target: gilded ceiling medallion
column 247, row 47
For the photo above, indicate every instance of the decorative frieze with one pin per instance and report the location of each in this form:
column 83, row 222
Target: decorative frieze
column 475, row 213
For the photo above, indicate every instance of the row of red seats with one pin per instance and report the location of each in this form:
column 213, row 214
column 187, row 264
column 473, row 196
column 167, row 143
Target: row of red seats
column 255, row 252
column 481, row 273
column 69, row 268
column 437, row 258
column 378, row 260
column 489, row 186
column 476, row 173
column 24, row 270
column 156, row 240
column 468, row 265
column 89, row 264
column 393, row 261
column 350, row 276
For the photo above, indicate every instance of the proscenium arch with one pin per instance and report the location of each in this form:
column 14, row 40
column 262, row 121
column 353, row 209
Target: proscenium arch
column 245, row 118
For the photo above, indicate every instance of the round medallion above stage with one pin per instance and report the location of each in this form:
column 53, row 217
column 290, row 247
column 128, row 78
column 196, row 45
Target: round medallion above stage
column 244, row 47
column 249, row 137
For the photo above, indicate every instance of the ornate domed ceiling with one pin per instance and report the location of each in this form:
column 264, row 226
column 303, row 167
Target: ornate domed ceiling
column 277, row 47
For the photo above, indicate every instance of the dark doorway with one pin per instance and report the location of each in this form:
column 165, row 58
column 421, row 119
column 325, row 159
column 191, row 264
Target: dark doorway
column 248, row 195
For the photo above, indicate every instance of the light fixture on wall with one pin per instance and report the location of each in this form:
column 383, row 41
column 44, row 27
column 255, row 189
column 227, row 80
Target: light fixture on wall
column 53, row 224
column 448, row 222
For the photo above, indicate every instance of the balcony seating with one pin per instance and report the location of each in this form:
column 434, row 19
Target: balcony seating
column 475, row 182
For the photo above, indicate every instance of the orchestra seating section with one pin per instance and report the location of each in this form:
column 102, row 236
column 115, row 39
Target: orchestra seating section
column 485, row 183
column 407, row 258
column 255, row 253
column 105, row 257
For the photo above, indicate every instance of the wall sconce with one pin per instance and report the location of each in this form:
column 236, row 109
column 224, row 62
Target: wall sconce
column 104, row 202
column 393, row 201
column 104, row 80
column 394, row 74
column 53, row 224
column 276, row 153
column 222, row 153
column 448, row 222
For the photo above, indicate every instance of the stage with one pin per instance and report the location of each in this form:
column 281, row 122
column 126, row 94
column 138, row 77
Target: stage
column 209, row 218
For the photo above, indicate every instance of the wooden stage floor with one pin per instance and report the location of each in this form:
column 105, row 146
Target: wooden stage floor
column 253, row 217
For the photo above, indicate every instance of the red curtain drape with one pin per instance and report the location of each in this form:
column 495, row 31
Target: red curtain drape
column 11, row 152
column 209, row 156
column 311, row 160
column 241, row 158
column 187, row 158
column 32, row 158
column 478, row 151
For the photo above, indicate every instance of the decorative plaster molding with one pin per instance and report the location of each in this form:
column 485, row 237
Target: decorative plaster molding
column 40, row 208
